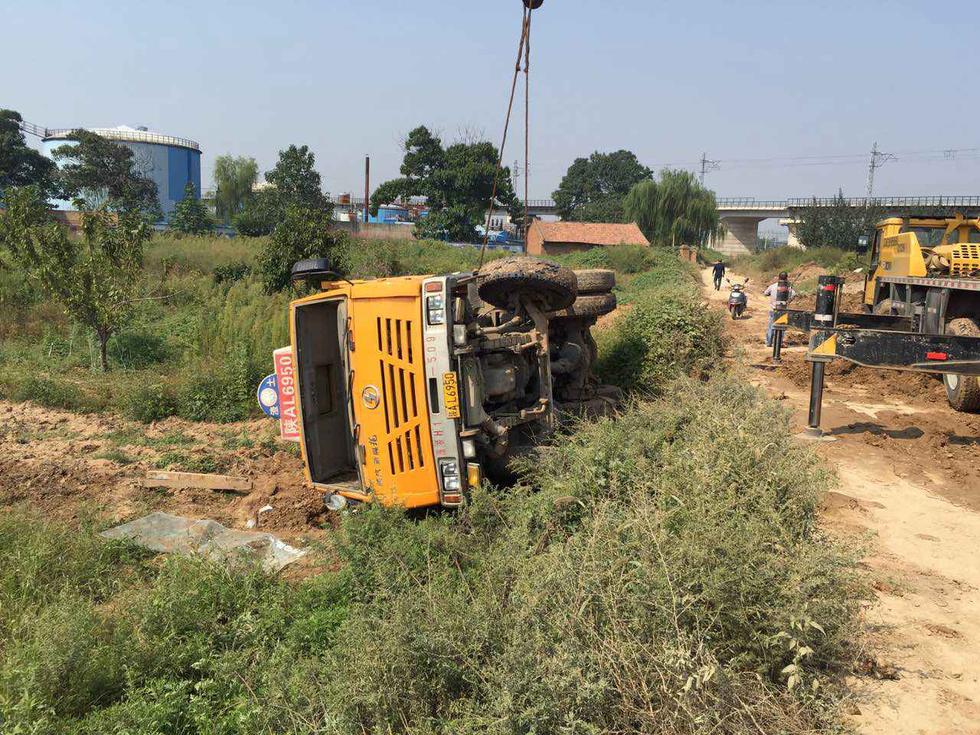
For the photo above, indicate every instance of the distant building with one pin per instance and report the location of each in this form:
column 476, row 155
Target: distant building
column 556, row 238
column 170, row 161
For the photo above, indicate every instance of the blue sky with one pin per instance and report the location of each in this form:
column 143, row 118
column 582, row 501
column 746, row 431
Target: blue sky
column 745, row 80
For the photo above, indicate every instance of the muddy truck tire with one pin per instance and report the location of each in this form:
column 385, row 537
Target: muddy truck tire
column 963, row 391
column 587, row 306
column 551, row 285
column 595, row 280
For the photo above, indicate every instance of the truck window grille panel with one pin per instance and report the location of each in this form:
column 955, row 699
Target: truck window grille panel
column 409, row 450
column 384, row 398
column 400, row 383
column 411, row 385
column 403, row 394
column 401, row 456
column 393, row 392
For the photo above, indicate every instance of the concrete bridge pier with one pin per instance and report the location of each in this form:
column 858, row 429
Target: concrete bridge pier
column 741, row 233
column 792, row 239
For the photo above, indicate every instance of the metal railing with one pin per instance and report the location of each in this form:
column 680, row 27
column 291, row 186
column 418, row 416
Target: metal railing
column 749, row 203
column 880, row 202
column 133, row 136
column 888, row 202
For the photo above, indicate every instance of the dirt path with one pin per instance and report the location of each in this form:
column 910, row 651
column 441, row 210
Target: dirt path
column 909, row 472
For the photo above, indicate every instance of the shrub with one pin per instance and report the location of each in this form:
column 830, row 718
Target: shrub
column 150, row 403
column 137, row 349
column 662, row 579
column 225, row 395
column 667, row 332
column 302, row 233
column 51, row 393
column 622, row 258
column 231, row 272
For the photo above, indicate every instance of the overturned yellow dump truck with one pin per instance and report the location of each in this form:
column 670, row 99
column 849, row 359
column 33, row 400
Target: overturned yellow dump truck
column 412, row 389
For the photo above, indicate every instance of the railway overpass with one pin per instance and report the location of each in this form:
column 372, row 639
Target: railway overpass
column 741, row 216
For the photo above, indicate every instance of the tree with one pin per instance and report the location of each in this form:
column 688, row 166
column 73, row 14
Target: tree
column 259, row 215
column 102, row 172
column 190, row 215
column 96, row 278
column 294, row 181
column 456, row 181
column 233, row 180
column 593, row 188
column 302, row 233
column 675, row 210
column 837, row 225
column 21, row 165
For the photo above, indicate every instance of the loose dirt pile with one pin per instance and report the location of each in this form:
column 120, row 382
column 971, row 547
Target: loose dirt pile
column 879, row 382
column 70, row 466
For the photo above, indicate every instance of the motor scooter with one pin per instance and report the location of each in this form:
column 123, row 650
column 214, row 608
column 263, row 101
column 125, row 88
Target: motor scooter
column 738, row 300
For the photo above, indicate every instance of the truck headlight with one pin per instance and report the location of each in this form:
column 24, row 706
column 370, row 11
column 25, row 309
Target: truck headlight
column 449, row 470
column 435, row 307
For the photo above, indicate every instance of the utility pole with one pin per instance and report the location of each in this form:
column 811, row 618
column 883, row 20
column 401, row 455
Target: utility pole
column 367, row 186
column 878, row 159
column 706, row 166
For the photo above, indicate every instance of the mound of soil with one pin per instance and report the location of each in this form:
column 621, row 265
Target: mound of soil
column 876, row 382
column 68, row 466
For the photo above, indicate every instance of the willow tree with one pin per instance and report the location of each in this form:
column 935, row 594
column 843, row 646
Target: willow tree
column 674, row 210
column 233, row 179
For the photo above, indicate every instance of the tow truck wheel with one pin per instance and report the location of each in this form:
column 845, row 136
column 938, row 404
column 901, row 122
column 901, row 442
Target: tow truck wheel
column 963, row 391
column 553, row 286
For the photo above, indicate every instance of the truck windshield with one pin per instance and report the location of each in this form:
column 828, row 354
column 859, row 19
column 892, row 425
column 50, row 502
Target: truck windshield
column 928, row 237
column 323, row 388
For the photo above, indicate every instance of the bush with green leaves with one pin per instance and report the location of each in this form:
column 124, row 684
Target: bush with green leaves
column 138, row 349
column 190, row 215
column 151, row 403
column 667, row 332
column 302, row 233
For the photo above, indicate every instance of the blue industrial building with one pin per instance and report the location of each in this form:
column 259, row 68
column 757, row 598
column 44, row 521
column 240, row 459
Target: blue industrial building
column 170, row 161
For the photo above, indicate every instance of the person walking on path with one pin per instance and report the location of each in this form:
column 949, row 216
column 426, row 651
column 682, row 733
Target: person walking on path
column 780, row 293
column 718, row 271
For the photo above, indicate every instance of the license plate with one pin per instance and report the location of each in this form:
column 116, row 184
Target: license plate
column 450, row 395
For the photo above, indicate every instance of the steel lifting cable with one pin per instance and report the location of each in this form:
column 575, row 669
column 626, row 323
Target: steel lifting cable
column 523, row 51
column 527, row 120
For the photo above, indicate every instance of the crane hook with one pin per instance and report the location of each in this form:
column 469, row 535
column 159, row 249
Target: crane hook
column 533, row 4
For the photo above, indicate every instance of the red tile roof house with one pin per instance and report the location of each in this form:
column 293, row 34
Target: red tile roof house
column 555, row 238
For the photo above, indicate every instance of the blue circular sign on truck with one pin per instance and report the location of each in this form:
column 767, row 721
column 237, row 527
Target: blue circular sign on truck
column 268, row 395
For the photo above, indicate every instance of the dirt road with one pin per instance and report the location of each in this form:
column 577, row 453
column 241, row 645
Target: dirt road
column 909, row 472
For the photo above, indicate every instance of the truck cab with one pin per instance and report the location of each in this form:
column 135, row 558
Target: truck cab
column 411, row 389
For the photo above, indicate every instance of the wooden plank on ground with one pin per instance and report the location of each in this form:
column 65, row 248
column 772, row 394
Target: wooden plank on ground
column 160, row 478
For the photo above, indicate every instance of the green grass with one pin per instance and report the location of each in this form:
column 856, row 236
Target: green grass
column 658, row 573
